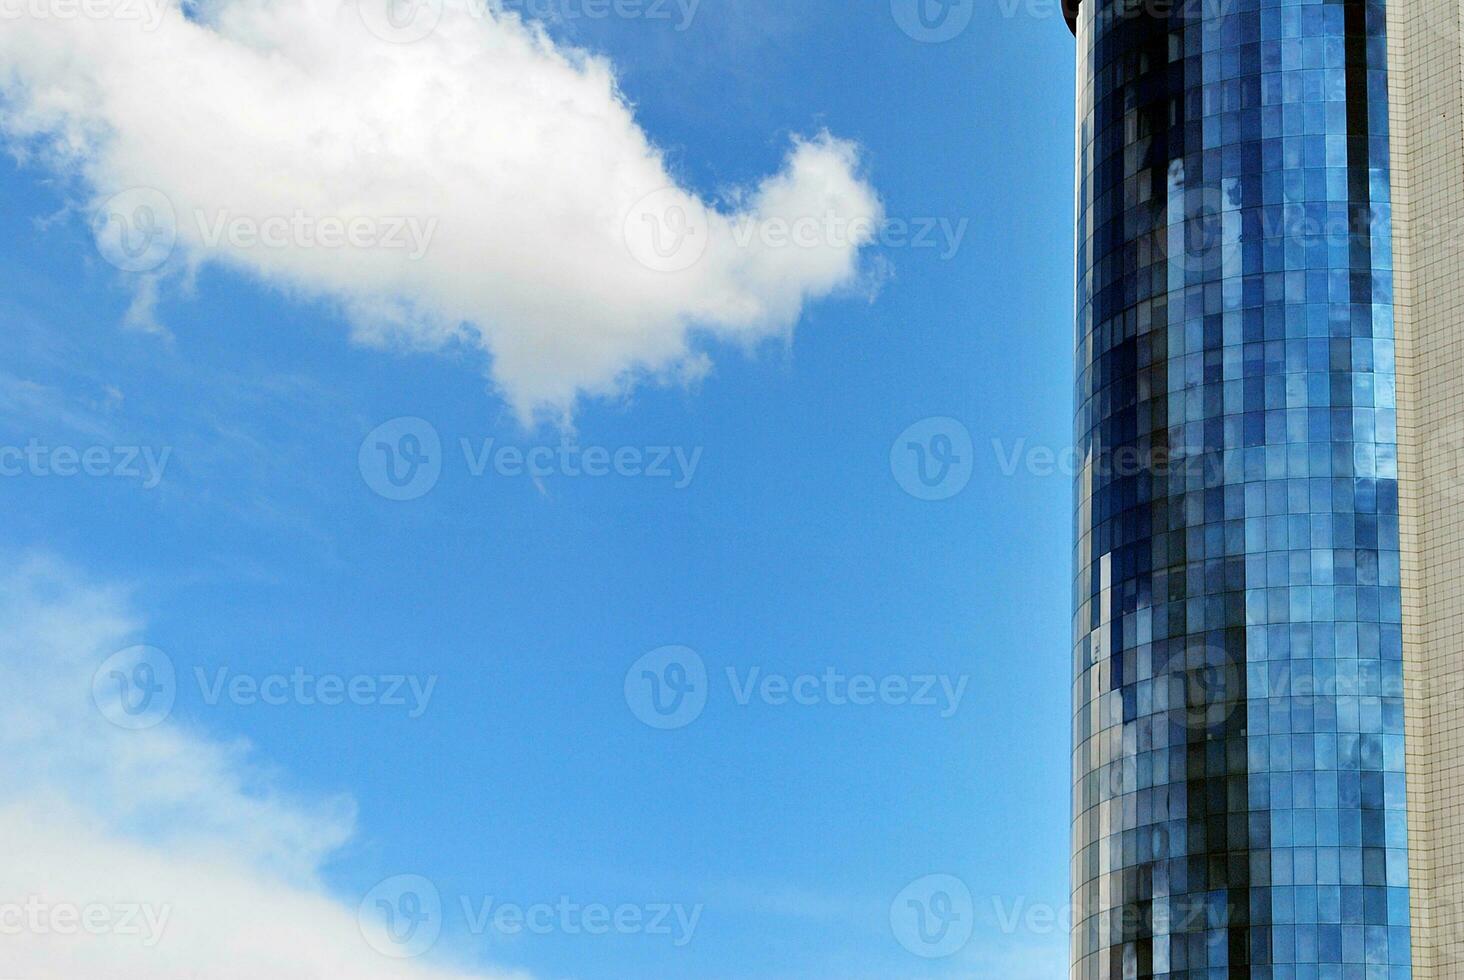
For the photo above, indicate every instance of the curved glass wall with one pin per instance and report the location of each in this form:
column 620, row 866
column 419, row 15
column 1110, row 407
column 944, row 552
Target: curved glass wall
column 1239, row 804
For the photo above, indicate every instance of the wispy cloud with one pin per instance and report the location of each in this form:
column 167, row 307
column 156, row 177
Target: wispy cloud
column 24, row 402
column 137, row 854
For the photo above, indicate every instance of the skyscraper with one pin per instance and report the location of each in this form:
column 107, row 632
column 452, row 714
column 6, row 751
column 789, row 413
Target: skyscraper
column 1269, row 593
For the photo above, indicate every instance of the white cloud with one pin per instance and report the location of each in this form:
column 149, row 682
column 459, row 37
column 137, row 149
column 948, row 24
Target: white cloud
column 179, row 848
column 516, row 166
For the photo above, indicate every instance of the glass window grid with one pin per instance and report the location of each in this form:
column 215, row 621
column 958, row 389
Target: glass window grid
column 1239, row 792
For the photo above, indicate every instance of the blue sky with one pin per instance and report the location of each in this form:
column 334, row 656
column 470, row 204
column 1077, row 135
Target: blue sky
column 792, row 548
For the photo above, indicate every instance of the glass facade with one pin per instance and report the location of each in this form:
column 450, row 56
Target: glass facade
column 1239, row 800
